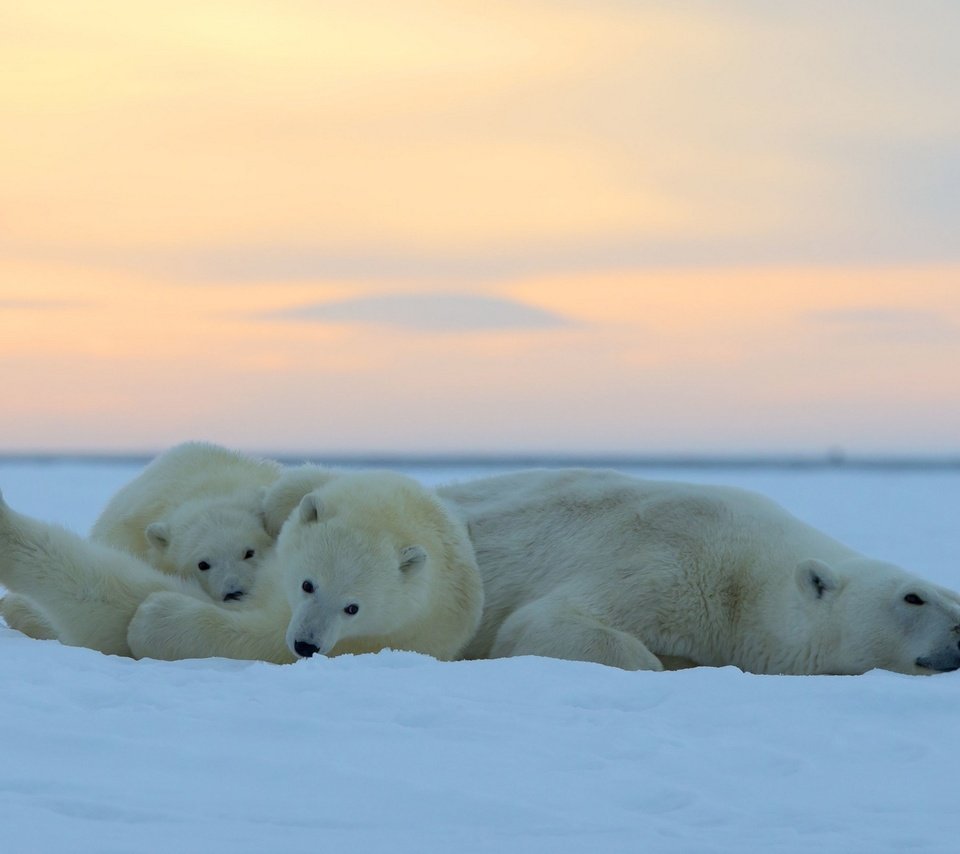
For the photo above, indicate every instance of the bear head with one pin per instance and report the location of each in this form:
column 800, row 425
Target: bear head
column 221, row 543
column 356, row 567
column 870, row 614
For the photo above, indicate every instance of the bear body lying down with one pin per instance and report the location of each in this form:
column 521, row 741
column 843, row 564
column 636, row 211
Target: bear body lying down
column 373, row 560
column 598, row 566
column 577, row 564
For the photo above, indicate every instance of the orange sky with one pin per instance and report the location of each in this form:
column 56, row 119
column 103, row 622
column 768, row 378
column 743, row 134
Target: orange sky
column 536, row 226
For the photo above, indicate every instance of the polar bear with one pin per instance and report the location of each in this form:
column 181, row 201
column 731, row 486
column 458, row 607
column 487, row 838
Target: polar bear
column 195, row 511
column 371, row 560
column 598, row 566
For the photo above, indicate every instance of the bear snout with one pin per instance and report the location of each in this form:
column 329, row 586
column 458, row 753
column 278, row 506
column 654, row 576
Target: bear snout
column 233, row 595
column 945, row 661
column 305, row 649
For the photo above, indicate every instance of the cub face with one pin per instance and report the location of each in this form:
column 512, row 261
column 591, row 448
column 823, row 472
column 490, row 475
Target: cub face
column 222, row 547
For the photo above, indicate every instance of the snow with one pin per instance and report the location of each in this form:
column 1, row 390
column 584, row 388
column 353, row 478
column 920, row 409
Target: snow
column 397, row 752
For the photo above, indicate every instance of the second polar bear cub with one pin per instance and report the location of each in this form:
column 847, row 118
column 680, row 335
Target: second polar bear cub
column 380, row 562
column 195, row 511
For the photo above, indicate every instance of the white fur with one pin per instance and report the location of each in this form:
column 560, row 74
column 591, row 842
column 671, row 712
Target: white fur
column 87, row 592
column 577, row 564
column 23, row 614
column 640, row 574
column 598, row 566
column 221, row 542
column 375, row 540
column 195, row 511
column 285, row 493
column 386, row 546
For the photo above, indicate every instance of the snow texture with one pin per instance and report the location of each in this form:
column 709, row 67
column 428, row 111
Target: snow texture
column 399, row 753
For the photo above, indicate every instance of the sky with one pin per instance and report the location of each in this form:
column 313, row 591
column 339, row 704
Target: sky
column 539, row 227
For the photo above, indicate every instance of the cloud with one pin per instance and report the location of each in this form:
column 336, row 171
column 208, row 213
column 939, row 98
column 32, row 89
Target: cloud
column 429, row 313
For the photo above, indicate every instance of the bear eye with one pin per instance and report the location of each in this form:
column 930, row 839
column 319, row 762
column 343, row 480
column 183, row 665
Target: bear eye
column 912, row 599
column 307, row 586
column 203, row 566
column 351, row 609
column 249, row 553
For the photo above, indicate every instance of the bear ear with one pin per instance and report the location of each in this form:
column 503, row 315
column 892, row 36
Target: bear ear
column 312, row 508
column 815, row 578
column 158, row 535
column 412, row 557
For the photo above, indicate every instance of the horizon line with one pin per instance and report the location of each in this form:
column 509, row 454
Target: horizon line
column 781, row 460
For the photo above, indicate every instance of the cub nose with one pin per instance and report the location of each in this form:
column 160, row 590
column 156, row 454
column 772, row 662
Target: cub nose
column 304, row 649
column 233, row 595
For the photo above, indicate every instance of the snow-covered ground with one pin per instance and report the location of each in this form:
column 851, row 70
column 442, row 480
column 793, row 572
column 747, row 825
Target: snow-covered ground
column 399, row 753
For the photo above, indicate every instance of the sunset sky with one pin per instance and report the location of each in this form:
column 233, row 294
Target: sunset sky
column 583, row 227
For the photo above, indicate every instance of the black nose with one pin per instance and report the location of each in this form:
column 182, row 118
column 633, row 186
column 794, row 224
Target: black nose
column 304, row 649
column 232, row 597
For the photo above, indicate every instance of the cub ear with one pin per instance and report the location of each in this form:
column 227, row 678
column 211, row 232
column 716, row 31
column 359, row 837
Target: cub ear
column 815, row 578
column 158, row 535
column 312, row 508
column 412, row 557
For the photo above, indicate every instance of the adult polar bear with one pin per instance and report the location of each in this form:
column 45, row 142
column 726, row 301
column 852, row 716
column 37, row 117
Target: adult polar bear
column 639, row 574
column 597, row 566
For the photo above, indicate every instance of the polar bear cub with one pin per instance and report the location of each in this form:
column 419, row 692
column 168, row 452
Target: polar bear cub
column 378, row 557
column 368, row 561
column 222, row 542
column 195, row 511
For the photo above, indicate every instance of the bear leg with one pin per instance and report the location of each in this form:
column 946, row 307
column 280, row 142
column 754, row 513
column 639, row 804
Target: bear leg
column 557, row 628
column 172, row 626
column 21, row 614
